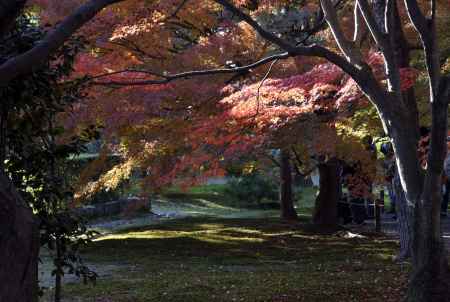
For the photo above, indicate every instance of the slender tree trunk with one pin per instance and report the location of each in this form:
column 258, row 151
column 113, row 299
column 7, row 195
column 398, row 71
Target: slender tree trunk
column 325, row 211
column 405, row 214
column 405, row 210
column 286, row 199
column 19, row 246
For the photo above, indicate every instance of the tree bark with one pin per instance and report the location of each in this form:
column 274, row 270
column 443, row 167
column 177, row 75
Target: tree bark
column 431, row 275
column 32, row 59
column 325, row 211
column 19, row 246
column 405, row 214
column 286, row 199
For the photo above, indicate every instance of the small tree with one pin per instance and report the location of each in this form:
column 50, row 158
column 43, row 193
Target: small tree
column 31, row 157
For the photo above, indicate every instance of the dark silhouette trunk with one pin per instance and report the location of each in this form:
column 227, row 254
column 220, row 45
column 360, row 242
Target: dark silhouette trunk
column 286, row 199
column 325, row 211
column 19, row 246
column 405, row 213
column 422, row 188
column 420, row 195
column 430, row 281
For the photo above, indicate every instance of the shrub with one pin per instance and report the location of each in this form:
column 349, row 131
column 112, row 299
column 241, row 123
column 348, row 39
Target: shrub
column 252, row 189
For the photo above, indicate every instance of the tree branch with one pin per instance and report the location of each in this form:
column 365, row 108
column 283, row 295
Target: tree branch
column 261, row 31
column 166, row 78
column 347, row 48
column 392, row 66
column 418, row 19
column 374, row 29
column 9, row 10
column 358, row 31
column 313, row 50
column 35, row 57
column 427, row 32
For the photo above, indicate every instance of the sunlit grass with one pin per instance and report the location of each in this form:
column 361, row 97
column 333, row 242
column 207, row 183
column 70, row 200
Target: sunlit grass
column 255, row 260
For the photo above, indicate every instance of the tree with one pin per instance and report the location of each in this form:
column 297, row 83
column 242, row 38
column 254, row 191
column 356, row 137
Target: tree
column 421, row 187
column 286, row 198
column 325, row 211
column 29, row 158
column 19, row 244
column 19, row 237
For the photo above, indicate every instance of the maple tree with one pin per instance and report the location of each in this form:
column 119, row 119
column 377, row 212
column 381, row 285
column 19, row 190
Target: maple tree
column 397, row 110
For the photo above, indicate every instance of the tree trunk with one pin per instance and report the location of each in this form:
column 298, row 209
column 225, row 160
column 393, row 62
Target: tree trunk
column 19, row 246
column 405, row 210
column 286, row 199
column 430, row 280
column 431, row 275
column 325, row 211
column 405, row 214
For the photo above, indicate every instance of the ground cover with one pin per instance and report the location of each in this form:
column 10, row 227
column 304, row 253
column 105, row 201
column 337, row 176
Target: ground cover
column 219, row 259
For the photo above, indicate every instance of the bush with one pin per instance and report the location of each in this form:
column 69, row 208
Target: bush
column 252, row 189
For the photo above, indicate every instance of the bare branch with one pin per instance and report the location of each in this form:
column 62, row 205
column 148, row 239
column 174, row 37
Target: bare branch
column 133, row 46
column 250, row 21
column 36, row 56
column 427, row 32
column 261, row 84
column 347, row 48
column 392, row 66
column 166, row 78
column 313, row 50
column 374, row 29
column 418, row 19
column 359, row 28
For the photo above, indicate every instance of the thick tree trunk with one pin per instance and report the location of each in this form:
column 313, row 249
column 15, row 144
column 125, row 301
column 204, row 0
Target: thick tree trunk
column 19, row 246
column 286, row 199
column 325, row 211
column 429, row 281
column 431, row 275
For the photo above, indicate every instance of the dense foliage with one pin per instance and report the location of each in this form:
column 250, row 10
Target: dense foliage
column 32, row 153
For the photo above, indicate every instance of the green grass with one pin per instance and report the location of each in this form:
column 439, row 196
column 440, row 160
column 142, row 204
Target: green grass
column 255, row 260
column 306, row 200
column 215, row 197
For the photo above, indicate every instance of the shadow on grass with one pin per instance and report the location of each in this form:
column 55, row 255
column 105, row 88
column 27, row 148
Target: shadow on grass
column 243, row 260
column 233, row 240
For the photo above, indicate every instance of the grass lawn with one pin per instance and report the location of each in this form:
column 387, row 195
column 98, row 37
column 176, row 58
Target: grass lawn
column 212, row 200
column 217, row 259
